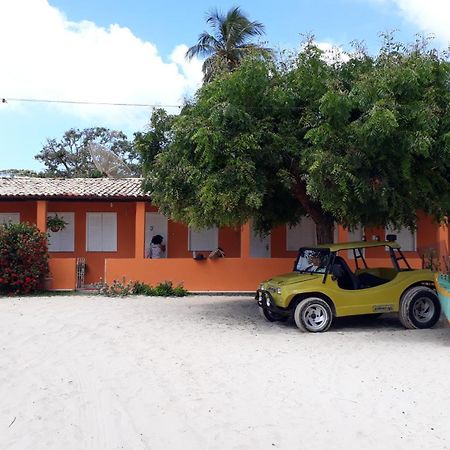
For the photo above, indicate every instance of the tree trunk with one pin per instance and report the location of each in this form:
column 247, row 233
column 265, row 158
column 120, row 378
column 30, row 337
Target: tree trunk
column 325, row 232
column 324, row 222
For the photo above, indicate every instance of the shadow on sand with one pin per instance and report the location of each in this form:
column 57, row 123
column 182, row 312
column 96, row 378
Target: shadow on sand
column 244, row 310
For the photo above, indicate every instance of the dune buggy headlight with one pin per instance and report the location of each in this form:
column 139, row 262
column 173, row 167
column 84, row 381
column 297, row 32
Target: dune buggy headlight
column 261, row 286
column 279, row 291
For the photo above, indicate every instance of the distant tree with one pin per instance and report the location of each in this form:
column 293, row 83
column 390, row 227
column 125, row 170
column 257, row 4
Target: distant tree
column 70, row 157
column 359, row 141
column 228, row 44
column 19, row 173
column 149, row 144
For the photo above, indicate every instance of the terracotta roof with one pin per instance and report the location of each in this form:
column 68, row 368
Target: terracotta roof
column 71, row 188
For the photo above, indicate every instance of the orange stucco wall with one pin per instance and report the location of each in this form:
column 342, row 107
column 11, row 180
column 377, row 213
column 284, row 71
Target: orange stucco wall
column 427, row 233
column 95, row 261
column 227, row 274
column 278, row 244
column 63, row 273
column 178, row 238
column 26, row 209
column 229, row 238
column 234, row 272
column 427, row 236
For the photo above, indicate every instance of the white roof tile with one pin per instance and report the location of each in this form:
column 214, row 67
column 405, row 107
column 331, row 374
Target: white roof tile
column 83, row 188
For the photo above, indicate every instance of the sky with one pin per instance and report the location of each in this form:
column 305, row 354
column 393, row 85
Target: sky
column 115, row 51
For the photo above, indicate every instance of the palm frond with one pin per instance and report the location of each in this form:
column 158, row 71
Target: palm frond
column 240, row 29
column 215, row 20
column 206, row 45
column 228, row 43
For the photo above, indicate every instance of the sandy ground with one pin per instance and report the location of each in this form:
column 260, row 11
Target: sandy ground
column 209, row 373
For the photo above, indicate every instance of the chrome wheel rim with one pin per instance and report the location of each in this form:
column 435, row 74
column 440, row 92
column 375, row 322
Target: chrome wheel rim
column 315, row 317
column 423, row 309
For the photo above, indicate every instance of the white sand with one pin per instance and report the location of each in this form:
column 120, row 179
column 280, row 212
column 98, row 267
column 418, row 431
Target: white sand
column 210, row 373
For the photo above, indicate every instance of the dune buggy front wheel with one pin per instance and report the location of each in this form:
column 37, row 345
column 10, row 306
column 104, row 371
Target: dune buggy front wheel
column 313, row 314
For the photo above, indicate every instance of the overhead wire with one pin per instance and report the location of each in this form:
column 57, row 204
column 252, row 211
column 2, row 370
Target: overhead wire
column 80, row 102
column 139, row 105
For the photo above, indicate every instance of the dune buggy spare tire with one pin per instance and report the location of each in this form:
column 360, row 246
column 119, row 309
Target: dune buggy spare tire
column 419, row 308
column 313, row 315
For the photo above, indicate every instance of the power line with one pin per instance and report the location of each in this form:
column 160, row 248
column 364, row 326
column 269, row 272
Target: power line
column 76, row 102
column 139, row 105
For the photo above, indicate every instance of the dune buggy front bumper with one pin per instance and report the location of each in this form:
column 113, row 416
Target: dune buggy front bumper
column 267, row 302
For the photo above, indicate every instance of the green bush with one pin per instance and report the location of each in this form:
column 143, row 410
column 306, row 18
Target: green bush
column 118, row 289
column 23, row 258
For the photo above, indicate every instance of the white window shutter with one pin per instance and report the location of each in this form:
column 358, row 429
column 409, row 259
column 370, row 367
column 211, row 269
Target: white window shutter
column 109, row 232
column 53, row 239
column 301, row 235
column 356, row 234
column 94, row 232
column 63, row 240
column 203, row 240
column 405, row 238
column 9, row 218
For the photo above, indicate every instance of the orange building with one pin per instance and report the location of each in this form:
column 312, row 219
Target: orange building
column 110, row 224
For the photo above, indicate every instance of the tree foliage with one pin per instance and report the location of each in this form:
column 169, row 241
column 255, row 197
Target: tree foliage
column 363, row 140
column 19, row 173
column 156, row 140
column 229, row 42
column 69, row 157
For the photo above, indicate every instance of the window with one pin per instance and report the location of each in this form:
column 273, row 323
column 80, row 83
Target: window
column 9, row 217
column 203, row 240
column 357, row 234
column 62, row 240
column 405, row 238
column 101, row 233
column 301, row 235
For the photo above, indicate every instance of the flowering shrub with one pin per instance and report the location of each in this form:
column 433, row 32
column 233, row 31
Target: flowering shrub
column 23, row 258
column 118, row 289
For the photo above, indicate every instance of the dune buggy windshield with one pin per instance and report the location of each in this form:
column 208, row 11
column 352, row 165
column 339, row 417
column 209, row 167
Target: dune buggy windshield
column 312, row 260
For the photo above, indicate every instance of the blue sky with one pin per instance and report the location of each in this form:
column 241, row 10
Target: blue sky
column 132, row 52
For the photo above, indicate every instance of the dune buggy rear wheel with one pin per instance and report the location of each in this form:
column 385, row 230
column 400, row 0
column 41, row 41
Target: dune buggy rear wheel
column 419, row 308
column 313, row 315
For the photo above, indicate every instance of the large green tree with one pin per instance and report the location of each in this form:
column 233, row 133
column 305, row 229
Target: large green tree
column 363, row 140
column 228, row 43
column 69, row 157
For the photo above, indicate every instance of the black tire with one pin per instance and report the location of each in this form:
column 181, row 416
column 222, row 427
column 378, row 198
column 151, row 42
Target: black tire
column 313, row 315
column 419, row 308
column 273, row 317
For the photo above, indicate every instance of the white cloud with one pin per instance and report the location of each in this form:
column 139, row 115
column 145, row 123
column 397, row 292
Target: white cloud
column 430, row 16
column 45, row 55
column 332, row 53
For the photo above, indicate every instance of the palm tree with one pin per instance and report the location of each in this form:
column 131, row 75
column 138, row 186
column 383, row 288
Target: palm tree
column 228, row 43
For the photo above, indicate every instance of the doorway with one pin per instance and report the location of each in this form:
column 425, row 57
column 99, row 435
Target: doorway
column 155, row 223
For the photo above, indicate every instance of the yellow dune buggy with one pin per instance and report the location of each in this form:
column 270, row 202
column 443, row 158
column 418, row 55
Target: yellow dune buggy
column 323, row 286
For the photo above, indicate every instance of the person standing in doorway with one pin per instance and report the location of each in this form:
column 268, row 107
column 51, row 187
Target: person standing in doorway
column 157, row 248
